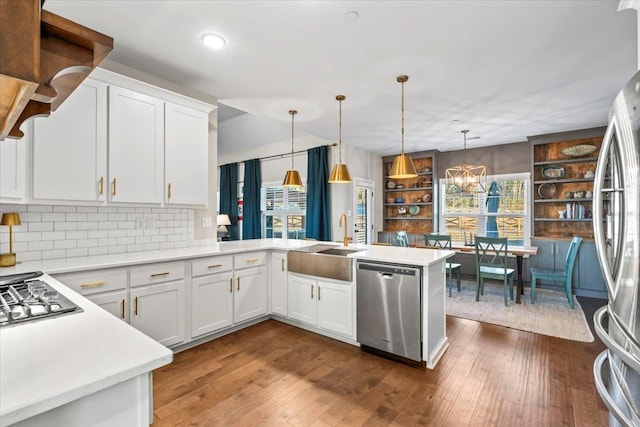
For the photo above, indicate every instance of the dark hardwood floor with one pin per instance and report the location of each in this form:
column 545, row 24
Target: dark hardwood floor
column 274, row 374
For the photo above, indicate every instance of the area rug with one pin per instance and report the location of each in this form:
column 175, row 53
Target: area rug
column 550, row 315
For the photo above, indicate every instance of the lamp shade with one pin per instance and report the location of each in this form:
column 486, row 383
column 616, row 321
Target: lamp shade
column 402, row 167
column 10, row 218
column 340, row 174
column 292, row 179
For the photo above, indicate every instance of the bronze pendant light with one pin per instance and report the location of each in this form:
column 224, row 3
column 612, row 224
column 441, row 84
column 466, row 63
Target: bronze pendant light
column 292, row 177
column 340, row 172
column 403, row 167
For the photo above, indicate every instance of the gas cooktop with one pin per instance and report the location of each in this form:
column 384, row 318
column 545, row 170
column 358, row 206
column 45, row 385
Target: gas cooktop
column 27, row 296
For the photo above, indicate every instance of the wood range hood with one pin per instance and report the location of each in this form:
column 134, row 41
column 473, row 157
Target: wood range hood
column 43, row 58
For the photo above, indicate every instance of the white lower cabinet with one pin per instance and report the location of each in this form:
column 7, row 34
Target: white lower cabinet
column 279, row 283
column 320, row 303
column 158, row 311
column 211, row 303
column 250, row 299
column 157, row 305
column 114, row 302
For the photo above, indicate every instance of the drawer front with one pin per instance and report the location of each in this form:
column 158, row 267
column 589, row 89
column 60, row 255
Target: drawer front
column 156, row 273
column 250, row 259
column 202, row 266
column 94, row 281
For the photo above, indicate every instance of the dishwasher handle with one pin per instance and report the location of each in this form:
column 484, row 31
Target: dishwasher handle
column 390, row 269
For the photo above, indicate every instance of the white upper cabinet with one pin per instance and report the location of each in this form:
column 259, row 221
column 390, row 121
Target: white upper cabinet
column 13, row 170
column 136, row 139
column 70, row 147
column 186, row 151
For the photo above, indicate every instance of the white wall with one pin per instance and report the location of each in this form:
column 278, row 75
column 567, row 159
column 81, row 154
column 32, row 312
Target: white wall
column 277, row 140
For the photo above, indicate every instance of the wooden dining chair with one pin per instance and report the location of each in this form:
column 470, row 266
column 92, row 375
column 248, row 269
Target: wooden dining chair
column 443, row 241
column 402, row 239
column 491, row 263
column 565, row 275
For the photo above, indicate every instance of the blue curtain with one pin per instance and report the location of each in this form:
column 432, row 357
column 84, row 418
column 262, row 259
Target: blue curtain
column 229, row 196
column 251, row 214
column 318, row 198
column 493, row 201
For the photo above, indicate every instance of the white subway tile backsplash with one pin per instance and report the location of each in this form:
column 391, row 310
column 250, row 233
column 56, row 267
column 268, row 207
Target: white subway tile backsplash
column 64, row 226
column 64, row 209
column 49, row 232
column 39, row 226
column 58, row 216
column 77, row 217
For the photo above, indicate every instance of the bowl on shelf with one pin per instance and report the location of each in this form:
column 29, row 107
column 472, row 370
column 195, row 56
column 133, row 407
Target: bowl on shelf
column 391, row 184
column 553, row 172
column 399, row 186
column 578, row 194
column 414, row 210
column 390, row 200
column 579, row 150
column 547, row 190
column 399, row 199
column 589, row 174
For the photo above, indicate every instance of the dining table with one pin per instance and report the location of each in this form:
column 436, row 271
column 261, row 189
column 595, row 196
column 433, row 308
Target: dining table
column 518, row 251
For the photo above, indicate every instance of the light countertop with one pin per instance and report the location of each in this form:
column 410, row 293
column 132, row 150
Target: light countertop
column 393, row 254
column 53, row 361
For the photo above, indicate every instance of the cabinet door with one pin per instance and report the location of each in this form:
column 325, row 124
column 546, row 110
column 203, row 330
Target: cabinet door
column 250, row 298
column 302, row 299
column 211, row 303
column 12, row 170
column 186, row 155
column 587, row 275
column 70, row 147
column 136, row 137
column 279, row 283
column 335, row 310
column 114, row 302
column 158, row 311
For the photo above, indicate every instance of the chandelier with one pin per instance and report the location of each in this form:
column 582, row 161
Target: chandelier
column 466, row 178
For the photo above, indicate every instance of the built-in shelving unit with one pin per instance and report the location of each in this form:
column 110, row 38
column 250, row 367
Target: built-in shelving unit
column 413, row 207
column 558, row 212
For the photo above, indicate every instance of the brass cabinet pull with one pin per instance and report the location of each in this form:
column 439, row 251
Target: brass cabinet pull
column 282, row 260
column 253, row 260
column 318, row 292
column 311, row 291
column 166, row 273
column 238, row 284
column 122, row 309
column 113, row 187
column 169, row 191
column 93, row 284
column 231, row 285
column 135, row 306
column 215, row 266
column 101, row 186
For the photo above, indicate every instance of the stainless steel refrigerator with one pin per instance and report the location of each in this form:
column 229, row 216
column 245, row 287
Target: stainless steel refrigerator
column 616, row 220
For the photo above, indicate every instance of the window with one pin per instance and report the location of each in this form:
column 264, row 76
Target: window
column 502, row 211
column 283, row 211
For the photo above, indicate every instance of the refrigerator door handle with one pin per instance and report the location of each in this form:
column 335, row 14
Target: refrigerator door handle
column 613, row 346
column 604, row 393
column 598, row 208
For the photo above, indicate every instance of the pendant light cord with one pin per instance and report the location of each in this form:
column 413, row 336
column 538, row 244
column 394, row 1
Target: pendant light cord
column 340, row 129
column 293, row 113
column 464, row 158
column 402, row 120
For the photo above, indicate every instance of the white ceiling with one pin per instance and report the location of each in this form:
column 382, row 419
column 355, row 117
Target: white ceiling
column 503, row 69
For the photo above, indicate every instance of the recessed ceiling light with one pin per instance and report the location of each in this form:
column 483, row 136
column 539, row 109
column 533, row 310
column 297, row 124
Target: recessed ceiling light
column 214, row 41
column 352, row 16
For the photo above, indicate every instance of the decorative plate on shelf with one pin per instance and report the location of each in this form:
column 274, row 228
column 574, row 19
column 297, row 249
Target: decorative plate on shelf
column 391, row 184
column 553, row 172
column 579, row 150
column 414, row 210
column 547, row 190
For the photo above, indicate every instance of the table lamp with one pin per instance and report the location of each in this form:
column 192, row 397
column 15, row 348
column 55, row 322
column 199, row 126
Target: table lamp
column 222, row 221
column 10, row 219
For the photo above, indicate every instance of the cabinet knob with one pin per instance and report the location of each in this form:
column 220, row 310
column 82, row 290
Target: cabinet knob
column 135, row 306
column 122, row 309
column 311, row 291
column 93, row 284
column 318, row 292
column 238, row 284
column 169, row 191
column 101, row 186
column 113, row 187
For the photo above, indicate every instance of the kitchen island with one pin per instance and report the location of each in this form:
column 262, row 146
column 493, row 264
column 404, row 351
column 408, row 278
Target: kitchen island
column 77, row 369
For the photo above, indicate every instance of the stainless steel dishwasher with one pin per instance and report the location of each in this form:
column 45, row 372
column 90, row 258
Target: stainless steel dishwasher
column 389, row 310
